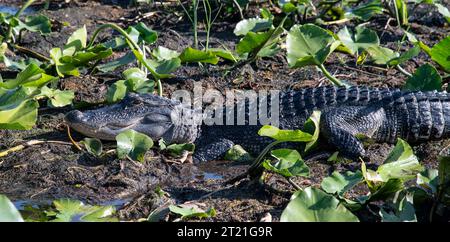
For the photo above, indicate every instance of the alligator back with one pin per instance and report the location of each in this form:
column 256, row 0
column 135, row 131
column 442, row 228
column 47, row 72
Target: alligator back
column 412, row 115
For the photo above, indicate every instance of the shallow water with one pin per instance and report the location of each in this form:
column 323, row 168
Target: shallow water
column 13, row 9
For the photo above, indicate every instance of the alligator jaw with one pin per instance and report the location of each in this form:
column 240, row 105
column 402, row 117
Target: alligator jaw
column 79, row 122
column 155, row 116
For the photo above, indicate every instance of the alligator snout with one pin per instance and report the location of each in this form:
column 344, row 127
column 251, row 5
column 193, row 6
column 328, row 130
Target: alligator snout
column 74, row 116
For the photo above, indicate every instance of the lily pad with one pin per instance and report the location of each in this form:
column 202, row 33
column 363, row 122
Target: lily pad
column 284, row 135
column 440, row 53
column 252, row 25
column 426, row 78
column 339, row 183
column 8, row 212
column 362, row 39
column 133, row 144
column 309, row 45
column 289, row 163
column 314, row 205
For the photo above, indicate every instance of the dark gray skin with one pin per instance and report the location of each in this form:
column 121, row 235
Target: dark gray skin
column 380, row 114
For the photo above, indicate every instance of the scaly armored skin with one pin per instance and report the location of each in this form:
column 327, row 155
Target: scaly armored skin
column 378, row 113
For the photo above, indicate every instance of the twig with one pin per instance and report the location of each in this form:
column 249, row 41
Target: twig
column 239, row 8
column 33, row 53
column 17, row 15
column 294, row 184
column 399, row 68
column 71, row 139
column 30, row 143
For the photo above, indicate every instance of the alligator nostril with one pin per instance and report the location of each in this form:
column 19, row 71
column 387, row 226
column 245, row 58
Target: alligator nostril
column 73, row 117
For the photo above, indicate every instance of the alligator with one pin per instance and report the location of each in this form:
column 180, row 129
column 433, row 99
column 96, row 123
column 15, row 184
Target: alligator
column 381, row 114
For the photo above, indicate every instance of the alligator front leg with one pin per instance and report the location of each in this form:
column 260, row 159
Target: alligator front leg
column 212, row 151
column 342, row 126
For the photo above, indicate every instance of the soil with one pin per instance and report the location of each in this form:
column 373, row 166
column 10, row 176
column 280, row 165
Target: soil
column 56, row 169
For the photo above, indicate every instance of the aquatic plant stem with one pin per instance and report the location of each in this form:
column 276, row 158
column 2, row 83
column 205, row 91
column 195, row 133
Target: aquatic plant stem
column 397, row 17
column 18, row 13
column 333, row 79
column 256, row 164
column 137, row 51
column 195, row 23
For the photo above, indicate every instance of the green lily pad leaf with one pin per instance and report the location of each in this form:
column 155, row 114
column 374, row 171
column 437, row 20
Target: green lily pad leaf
column 77, row 41
column 116, row 43
column 113, row 65
column 252, row 25
column 284, row 135
column 31, row 76
column 68, row 210
column 263, row 44
column 444, row 179
column 193, row 55
column 426, row 78
column 443, row 10
column 287, row 6
column 312, row 126
column 237, row 153
column 163, row 53
column 266, row 14
column 379, row 187
column 289, row 163
column 57, row 98
column 339, row 183
column 39, row 23
column 386, row 190
column 11, row 98
column 63, row 68
column 21, row 116
column 8, row 212
column 252, row 41
column 82, row 58
column 365, row 11
column 309, row 45
column 136, row 81
column 93, row 146
column 314, row 205
column 440, row 53
column 225, row 54
column 401, row 163
column 116, row 91
column 133, row 144
column 177, row 150
column 381, row 55
column 404, row 211
column 411, row 53
column 146, row 34
column 134, row 74
column 164, row 67
column 428, row 179
column 192, row 211
column 362, row 39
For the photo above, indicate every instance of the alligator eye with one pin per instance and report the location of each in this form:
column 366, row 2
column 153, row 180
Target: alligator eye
column 137, row 101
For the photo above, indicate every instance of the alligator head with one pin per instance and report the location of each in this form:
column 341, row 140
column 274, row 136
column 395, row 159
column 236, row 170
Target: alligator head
column 155, row 116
